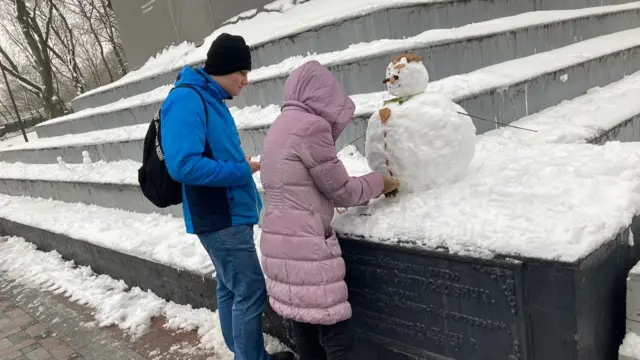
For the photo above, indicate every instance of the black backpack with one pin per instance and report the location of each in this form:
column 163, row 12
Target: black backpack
column 154, row 179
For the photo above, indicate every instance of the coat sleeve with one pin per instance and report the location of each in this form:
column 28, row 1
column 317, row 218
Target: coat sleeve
column 318, row 153
column 183, row 133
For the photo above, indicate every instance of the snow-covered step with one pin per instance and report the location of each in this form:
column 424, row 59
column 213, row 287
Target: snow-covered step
column 504, row 92
column 322, row 26
column 154, row 237
column 110, row 184
column 609, row 113
column 361, row 67
column 150, row 251
column 448, row 52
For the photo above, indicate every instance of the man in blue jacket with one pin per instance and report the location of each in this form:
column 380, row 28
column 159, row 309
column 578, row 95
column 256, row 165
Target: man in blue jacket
column 221, row 203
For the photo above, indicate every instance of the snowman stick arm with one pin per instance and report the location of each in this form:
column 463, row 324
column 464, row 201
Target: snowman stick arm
column 318, row 154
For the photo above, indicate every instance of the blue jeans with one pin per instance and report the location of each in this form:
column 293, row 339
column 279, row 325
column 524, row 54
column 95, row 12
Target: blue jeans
column 241, row 292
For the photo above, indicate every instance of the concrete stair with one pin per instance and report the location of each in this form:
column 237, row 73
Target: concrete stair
column 503, row 92
column 446, row 53
column 325, row 35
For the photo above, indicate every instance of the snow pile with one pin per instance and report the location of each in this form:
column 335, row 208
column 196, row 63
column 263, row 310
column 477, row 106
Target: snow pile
column 131, row 309
column 630, row 346
column 548, row 201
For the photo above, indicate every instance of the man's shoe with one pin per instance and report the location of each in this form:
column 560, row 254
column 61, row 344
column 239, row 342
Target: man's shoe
column 283, row 355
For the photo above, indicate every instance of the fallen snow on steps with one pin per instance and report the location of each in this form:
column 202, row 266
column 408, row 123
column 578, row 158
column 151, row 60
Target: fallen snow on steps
column 125, row 172
column 263, row 28
column 549, row 201
column 115, row 303
column 497, row 77
column 435, row 37
column 578, row 120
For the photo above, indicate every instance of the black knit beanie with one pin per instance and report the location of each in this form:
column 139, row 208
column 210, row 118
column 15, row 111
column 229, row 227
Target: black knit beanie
column 227, row 54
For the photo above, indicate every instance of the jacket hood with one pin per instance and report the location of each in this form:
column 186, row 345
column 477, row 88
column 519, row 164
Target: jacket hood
column 198, row 78
column 314, row 89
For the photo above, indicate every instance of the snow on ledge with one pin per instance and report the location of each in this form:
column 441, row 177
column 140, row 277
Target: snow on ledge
column 154, row 237
column 549, row 201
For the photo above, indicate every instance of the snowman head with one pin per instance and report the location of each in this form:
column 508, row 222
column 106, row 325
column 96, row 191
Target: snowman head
column 406, row 76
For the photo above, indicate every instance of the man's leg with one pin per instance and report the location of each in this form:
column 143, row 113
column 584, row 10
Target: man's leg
column 307, row 340
column 224, row 295
column 338, row 340
column 246, row 281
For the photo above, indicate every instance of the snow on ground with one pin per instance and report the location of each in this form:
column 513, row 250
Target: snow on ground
column 581, row 119
column 630, row 346
column 115, row 303
column 548, row 201
column 264, row 27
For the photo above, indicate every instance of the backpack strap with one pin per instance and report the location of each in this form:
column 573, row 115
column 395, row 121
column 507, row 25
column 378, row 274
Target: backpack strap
column 206, row 118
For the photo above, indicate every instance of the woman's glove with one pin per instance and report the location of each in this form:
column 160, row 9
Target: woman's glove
column 390, row 184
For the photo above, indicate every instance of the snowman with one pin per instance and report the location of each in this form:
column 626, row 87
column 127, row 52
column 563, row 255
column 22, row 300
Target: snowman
column 422, row 139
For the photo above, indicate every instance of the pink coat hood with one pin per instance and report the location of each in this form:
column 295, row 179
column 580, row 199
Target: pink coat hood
column 304, row 181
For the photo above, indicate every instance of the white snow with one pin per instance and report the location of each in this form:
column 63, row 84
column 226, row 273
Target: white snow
column 151, row 97
column 630, row 346
column 433, row 37
column 176, row 59
column 115, row 303
column 247, row 117
column 426, row 140
column 548, row 201
column 123, row 172
column 264, row 27
column 158, row 238
column 499, row 77
column 581, row 119
column 17, row 139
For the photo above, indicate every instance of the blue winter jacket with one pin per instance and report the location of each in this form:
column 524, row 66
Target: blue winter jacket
column 218, row 187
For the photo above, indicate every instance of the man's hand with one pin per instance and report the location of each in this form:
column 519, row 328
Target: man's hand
column 255, row 166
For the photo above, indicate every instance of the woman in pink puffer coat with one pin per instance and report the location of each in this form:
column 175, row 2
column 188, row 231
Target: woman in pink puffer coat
column 304, row 181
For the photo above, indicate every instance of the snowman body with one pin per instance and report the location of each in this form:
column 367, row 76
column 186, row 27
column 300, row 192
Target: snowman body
column 424, row 139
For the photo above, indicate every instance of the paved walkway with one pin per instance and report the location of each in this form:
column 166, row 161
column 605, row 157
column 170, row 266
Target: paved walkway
column 37, row 325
